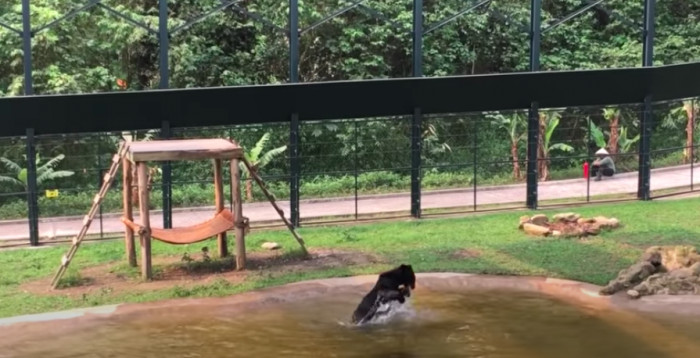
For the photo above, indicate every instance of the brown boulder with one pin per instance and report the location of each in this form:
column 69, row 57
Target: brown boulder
column 592, row 229
column 523, row 220
column 566, row 217
column 536, row 230
column 539, row 219
column 606, row 223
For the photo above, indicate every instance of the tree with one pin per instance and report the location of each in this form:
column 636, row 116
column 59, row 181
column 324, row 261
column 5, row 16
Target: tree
column 624, row 143
column 612, row 115
column 131, row 136
column 515, row 125
column 44, row 172
column 258, row 161
column 548, row 123
column 686, row 112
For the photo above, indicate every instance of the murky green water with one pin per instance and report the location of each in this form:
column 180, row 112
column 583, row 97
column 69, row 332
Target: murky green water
column 484, row 324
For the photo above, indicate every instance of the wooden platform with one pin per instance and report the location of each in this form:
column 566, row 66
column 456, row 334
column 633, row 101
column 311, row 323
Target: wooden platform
column 183, row 149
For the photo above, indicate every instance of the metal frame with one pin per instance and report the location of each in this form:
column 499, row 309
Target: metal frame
column 420, row 91
column 644, row 186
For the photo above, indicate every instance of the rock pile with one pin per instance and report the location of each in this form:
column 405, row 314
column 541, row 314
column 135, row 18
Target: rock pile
column 566, row 225
column 664, row 270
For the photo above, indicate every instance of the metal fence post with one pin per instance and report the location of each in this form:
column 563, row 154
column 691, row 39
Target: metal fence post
column 691, row 150
column 416, row 163
column 167, row 182
column 163, row 43
column 475, row 142
column 643, row 187
column 533, row 116
column 27, row 48
column 164, row 68
column 100, row 181
column 294, row 120
column 416, row 124
column 32, row 198
column 294, row 170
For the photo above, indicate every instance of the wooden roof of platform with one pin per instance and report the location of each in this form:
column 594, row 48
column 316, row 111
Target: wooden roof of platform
column 183, row 149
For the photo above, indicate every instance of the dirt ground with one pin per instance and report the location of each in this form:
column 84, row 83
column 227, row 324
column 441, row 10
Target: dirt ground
column 170, row 271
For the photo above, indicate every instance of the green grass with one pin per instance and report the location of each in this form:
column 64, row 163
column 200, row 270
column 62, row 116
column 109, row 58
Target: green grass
column 427, row 244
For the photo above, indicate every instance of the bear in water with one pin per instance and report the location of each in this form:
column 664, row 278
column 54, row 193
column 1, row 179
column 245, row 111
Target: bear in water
column 392, row 285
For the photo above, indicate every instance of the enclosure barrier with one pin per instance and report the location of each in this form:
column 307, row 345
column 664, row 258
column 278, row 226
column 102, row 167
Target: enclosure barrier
column 296, row 104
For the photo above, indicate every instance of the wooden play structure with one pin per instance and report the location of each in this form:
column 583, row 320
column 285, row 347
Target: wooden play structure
column 138, row 154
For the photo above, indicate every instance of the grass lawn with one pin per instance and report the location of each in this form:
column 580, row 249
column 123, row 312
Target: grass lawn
column 486, row 243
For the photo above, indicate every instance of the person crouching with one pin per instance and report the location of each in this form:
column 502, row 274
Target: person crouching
column 603, row 165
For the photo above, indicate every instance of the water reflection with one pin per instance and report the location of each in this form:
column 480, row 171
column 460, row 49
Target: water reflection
column 494, row 324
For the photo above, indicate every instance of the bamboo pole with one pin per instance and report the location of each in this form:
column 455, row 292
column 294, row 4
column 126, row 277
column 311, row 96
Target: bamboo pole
column 238, row 214
column 219, row 201
column 145, row 232
column 271, row 198
column 128, row 212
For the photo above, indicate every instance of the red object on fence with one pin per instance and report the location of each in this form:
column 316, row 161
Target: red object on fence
column 585, row 170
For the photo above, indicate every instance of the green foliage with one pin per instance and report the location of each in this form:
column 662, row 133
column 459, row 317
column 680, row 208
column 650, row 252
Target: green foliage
column 44, row 172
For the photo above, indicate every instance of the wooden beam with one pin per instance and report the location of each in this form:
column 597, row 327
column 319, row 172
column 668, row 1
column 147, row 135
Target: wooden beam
column 219, row 202
column 184, row 149
column 238, row 214
column 145, row 232
column 128, row 212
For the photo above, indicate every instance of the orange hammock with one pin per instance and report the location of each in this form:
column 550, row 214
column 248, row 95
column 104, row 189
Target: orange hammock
column 221, row 222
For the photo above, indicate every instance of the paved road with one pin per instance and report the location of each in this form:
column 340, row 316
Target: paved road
column 372, row 204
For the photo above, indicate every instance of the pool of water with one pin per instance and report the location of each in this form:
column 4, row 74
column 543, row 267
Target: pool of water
column 483, row 323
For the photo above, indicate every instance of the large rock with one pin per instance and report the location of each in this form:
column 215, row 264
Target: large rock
column 523, row 219
column 681, row 281
column 271, row 246
column 536, row 230
column 566, row 217
column 539, row 219
column 606, row 223
column 675, row 257
column 671, row 270
column 591, row 229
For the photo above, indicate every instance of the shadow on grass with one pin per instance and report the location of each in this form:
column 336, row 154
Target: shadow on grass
column 594, row 260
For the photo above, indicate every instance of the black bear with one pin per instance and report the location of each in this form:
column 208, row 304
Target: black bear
column 392, row 285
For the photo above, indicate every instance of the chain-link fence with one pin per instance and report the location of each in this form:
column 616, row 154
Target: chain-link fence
column 361, row 169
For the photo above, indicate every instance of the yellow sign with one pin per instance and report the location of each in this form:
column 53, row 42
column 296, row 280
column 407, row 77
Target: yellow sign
column 52, row 193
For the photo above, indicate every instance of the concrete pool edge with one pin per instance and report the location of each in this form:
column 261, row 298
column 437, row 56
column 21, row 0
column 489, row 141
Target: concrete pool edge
column 440, row 281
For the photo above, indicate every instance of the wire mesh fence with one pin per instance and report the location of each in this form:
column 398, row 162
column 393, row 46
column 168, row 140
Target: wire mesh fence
column 361, row 169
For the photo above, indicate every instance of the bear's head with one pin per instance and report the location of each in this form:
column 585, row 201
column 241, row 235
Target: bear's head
column 408, row 277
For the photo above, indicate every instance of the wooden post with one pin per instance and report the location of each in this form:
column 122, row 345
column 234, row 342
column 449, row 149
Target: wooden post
column 145, row 232
column 128, row 212
column 238, row 214
column 219, row 199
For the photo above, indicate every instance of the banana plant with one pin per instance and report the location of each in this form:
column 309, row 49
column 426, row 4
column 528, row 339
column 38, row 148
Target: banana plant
column 515, row 125
column 686, row 113
column 44, row 172
column 623, row 141
column 612, row 115
column 258, row 160
column 548, row 123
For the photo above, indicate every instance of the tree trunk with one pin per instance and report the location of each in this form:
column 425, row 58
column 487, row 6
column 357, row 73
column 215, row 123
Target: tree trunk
column 542, row 160
column 134, row 187
column 249, row 189
column 689, row 133
column 614, row 133
column 134, row 184
column 514, row 155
